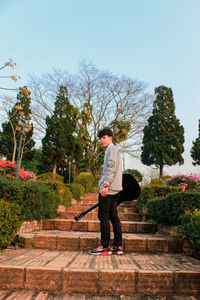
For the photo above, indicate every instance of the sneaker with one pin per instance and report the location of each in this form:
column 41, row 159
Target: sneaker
column 118, row 250
column 100, row 251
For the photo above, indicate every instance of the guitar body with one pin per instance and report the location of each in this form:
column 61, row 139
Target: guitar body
column 131, row 189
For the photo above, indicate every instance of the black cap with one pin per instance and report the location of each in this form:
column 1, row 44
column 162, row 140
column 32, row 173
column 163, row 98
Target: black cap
column 105, row 131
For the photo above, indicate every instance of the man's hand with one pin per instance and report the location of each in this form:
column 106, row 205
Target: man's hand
column 104, row 192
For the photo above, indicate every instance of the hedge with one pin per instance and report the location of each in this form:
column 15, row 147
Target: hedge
column 37, row 200
column 77, row 190
column 56, row 183
column 153, row 191
column 10, row 222
column 168, row 210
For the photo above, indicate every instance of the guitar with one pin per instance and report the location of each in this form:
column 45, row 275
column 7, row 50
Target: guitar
column 131, row 191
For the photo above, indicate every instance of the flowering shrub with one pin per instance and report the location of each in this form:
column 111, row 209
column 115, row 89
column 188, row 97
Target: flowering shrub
column 187, row 182
column 8, row 169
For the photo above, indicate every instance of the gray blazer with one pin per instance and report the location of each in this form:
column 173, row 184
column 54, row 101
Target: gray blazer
column 112, row 170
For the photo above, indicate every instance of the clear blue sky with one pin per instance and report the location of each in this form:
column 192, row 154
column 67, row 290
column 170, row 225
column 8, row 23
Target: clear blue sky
column 155, row 41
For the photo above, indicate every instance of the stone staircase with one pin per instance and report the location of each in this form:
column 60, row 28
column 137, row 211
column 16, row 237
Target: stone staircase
column 56, row 260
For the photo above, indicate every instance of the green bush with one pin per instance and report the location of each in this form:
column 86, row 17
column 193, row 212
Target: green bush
column 11, row 189
column 39, row 202
column 168, row 210
column 86, row 179
column 65, row 194
column 50, row 177
column 156, row 181
column 10, row 222
column 77, row 190
column 135, row 173
column 56, row 183
column 191, row 222
column 153, row 191
column 159, row 181
column 36, row 199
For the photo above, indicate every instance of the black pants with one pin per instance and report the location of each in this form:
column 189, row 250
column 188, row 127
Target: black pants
column 108, row 212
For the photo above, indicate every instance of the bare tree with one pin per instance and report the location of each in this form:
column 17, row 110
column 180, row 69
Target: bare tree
column 112, row 100
column 105, row 99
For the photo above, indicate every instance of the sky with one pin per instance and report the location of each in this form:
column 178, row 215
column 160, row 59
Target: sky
column 154, row 41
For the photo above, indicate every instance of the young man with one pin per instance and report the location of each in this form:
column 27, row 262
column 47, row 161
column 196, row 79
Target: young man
column 110, row 185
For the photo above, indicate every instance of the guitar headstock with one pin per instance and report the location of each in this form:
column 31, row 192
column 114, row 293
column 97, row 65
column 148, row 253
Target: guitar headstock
column 78, row 217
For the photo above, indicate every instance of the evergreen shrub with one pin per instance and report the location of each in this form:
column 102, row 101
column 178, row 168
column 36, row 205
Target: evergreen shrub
column 10, row 222
column 167, row 211
column 150, row 192
column 56, row 183
column 86, row 179
column 77, row 190
column 50, row 177
column 159, row 180
column 64, row 194
column 191, row 222
column 37, row 200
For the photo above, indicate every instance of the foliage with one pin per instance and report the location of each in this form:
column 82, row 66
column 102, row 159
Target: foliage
column 59, row 141
column 120, row 130
column 152, row 191
column 191, row 222
column 77, row 190
column 56, row 183
column 103, row 99
column 160, row 180
column 65, row 194
column 156, row 181
column 8, row 169
column 11, row 132
column 10, row 222
column 33, row 164
column 37, row 200
column 46, row 177
column 86, row 179
column 135, row 173
column 195, row 150
column 163, row 135
column 187, row 182
column 168, row 210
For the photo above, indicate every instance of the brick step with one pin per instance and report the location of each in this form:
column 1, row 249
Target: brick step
column 93, row 215
column 79, row 272
column 77, row 240
column 82, row 207
column 94, row 225
column 48, row 295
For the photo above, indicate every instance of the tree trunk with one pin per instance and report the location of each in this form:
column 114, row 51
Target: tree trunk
column 54, row 169
column 14, row 149
column 161, row 172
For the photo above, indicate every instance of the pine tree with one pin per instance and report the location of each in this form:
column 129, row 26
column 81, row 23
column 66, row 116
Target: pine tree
column 10, row 135
column 163, row 135
column 60, row 141
column 195, row 150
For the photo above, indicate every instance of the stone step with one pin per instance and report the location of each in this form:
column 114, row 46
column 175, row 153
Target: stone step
column 94, row 216
column 94, row 225
column 84, row 241
column 79, row 272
